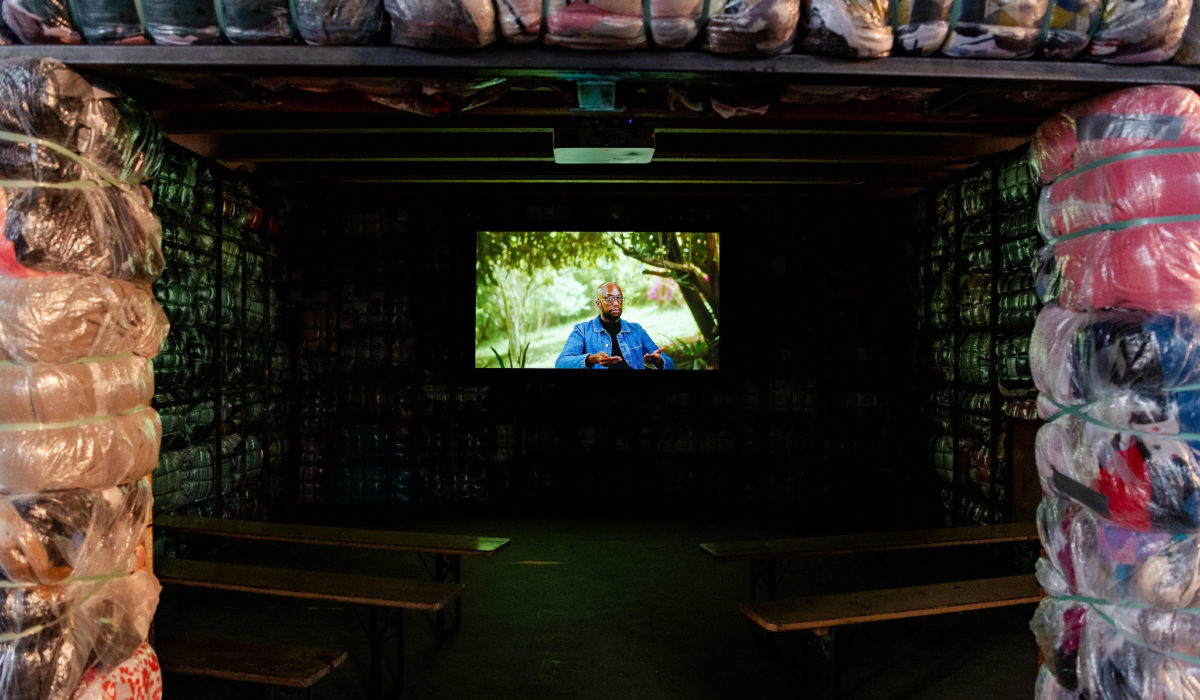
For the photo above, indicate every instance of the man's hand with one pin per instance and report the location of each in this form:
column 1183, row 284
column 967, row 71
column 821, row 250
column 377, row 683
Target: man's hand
column 603, row 358
column 654, row 358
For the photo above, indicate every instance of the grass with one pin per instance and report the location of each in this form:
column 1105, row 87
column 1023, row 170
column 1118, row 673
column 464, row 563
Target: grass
column 661, row 323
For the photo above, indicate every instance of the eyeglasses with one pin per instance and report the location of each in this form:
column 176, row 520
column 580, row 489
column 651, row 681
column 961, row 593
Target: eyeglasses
column 614, row 299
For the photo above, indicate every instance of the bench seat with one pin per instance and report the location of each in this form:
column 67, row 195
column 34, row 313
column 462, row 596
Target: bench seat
column 820, row 613
column 248, row 662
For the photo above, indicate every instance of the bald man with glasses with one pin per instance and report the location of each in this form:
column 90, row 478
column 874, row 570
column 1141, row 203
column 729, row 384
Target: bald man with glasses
column 609, row 341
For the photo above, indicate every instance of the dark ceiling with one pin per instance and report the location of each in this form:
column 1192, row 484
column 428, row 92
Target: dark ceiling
column 797, row 130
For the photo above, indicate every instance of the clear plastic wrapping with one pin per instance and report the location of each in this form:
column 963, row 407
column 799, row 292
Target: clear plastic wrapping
column 1089, row 556
column 1109, row 652
column 107, row 231
column 442, row 24
column 676, row 23
column 41, row 21
column 995, row 29
column 82, row 454
column 54, row 393
column 1188, row 53
column 1132, row 477
column 48, row 537
column 1140, row 31
column 137, row 678
column 44, row 99
column 1133, row 119
column 110, row 22
column 919, row 26
column 752, row 27
column 520, row 20
column 61, row 630
column 855, row 28
column 1106, row 221
column 1069, row 28
column 596, row 24
column 1078, row 356
column 339, row 22
column 65, row 318
column 256, row 21
column 181, row 22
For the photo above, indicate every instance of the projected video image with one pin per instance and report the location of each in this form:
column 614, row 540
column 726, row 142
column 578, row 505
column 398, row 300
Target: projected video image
column 597, row 300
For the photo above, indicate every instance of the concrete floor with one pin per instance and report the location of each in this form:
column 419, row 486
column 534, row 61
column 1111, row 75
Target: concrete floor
column 604, row 606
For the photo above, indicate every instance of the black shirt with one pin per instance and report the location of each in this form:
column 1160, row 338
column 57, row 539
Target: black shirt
column 613, row 329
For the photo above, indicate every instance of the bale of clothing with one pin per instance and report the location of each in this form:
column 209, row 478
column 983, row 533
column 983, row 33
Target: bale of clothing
column 1112, row 355
column 78, row 329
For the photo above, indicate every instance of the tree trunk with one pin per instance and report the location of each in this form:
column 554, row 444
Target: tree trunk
column 691, row 294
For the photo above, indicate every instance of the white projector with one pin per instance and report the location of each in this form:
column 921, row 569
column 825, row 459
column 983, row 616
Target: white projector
column 616, row 145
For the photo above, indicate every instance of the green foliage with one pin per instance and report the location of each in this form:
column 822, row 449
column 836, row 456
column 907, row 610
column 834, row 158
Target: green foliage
column 694, row 354
column 514, row 362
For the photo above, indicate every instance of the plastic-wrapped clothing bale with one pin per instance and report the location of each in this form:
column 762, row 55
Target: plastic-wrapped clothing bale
column 1104, row 221
column 44, row 99
column 48, row 537
column 181, row 22
column 974, row 366
column 137, row 678
column 1090, row 556
column 78, row 317
column 520, row 20
column 751, row 27
column 1133, row 119
column 110, row 22
column 1140, row 31
column 1133, row 477
column 595, row 24
column 1080, row 356
column 1188, row 53
column 79, row 454
column 975, row 300
column 339, row 22
column 256, row 21
column 1018, row 304
column 106, row 231
column 57, row 393
column 1068, row 28
column 1012, row 359
column 59, row 631
column 1016, row 183
column 919, row 26
column 994, row 29
column 41, row 21
column 855, row 28
column 676, row 23
column 1104, row 651
column 442, row 24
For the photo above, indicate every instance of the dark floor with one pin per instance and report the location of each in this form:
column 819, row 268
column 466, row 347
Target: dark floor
column 596, row 606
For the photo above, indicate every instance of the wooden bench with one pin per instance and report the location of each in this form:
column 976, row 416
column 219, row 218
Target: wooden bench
column 823, row 614
column 380, row 594
column 763, row 554
column 273, row 665
column 446, row 550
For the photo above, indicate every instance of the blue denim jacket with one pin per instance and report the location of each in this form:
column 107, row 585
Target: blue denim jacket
column 589, row 337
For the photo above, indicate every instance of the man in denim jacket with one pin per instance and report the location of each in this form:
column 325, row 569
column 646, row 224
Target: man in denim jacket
column 609, row 342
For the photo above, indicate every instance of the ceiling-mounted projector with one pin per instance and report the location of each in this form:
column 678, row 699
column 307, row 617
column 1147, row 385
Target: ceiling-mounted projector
column 598, row 144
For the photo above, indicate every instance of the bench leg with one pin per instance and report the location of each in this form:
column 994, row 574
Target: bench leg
column 762, row 571
column 448, row 567
column 828, row 644
column 378, row 627
column 376, row 634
